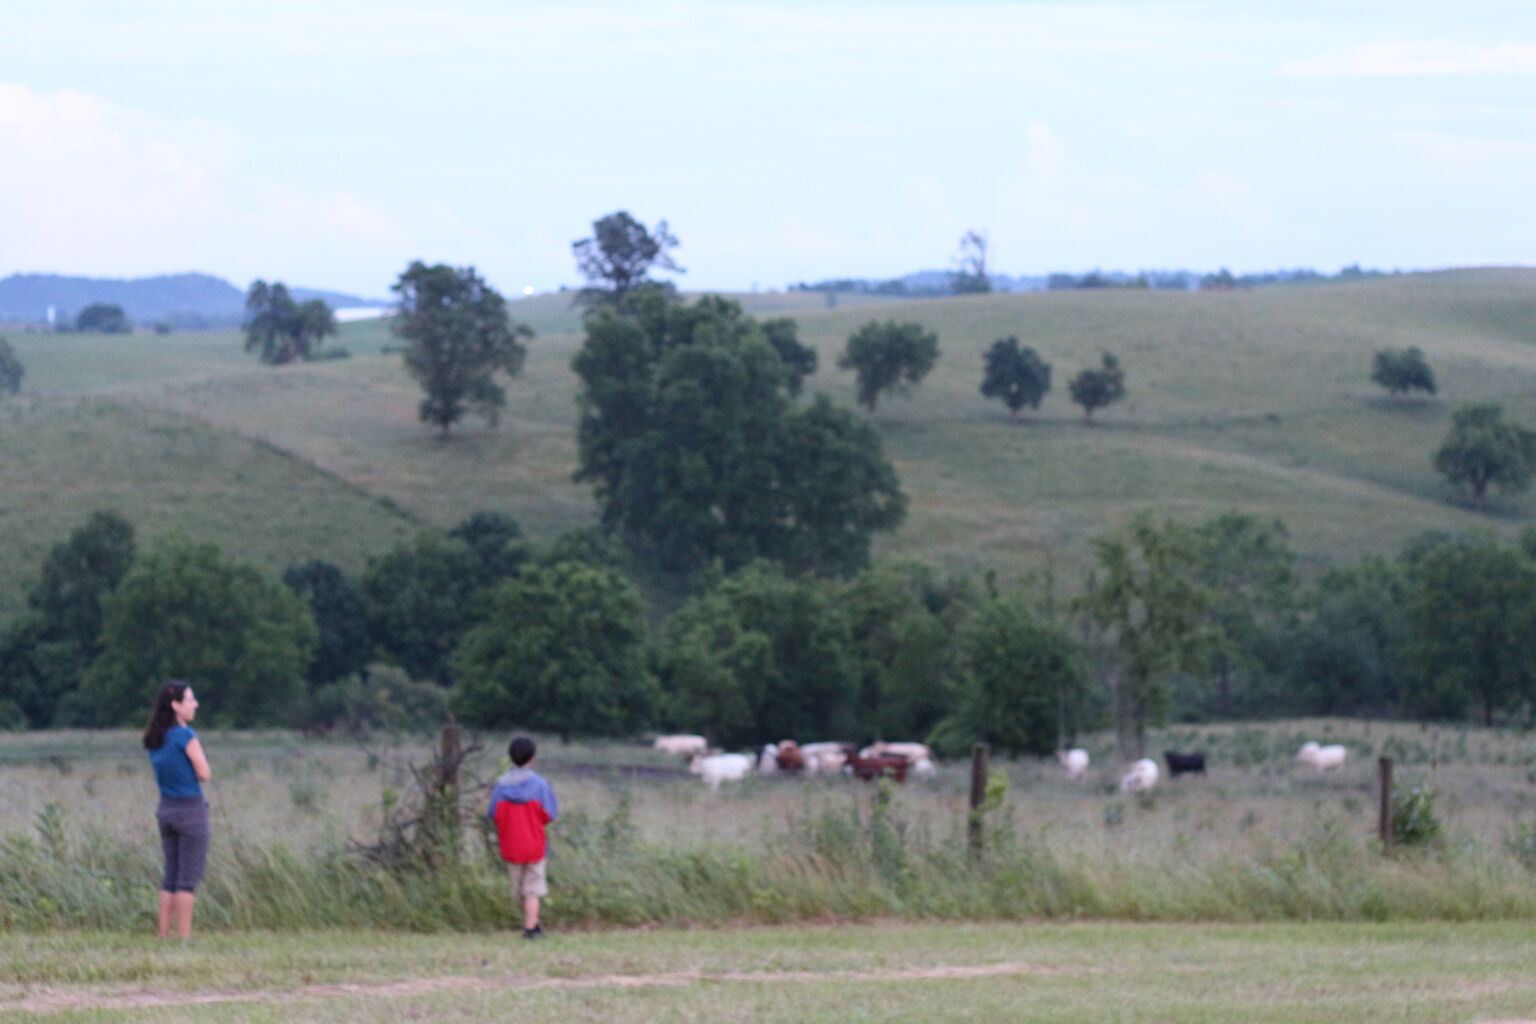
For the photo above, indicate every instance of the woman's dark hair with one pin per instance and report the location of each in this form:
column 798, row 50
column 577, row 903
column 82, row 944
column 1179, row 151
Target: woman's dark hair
column 161, row 715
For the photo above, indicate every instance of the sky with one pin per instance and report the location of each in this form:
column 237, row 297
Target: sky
column 328, row 144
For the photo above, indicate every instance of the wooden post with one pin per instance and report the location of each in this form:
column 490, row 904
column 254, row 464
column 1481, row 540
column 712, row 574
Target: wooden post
column 979, row 758
column 1384, row 824
column 448, row 759
column 443, row 809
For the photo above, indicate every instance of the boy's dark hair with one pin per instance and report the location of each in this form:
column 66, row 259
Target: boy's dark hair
column 521, row 750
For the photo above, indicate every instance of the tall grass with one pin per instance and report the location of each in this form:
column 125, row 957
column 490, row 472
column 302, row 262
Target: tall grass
column 1260, row 841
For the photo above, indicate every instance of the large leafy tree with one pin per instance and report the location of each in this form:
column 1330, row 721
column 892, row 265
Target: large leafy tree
column 1402, row 370
column 1472, row 629
column 184, row 611
column 1249, row 567
column 619, row 257
column 458, row 337
column 889, row 357
column 421, row 598
column 696, row 454
column 1095, row 388
column 777, row 647
column 1482, row 449
column 1024, row 688
column 11, row 370
column 1015, row 375
column 103, row 318
column 44, row 653
column 1347, row 656
column 562, row 649
column 281, row 330
column 1145, row 595
column 343, row 647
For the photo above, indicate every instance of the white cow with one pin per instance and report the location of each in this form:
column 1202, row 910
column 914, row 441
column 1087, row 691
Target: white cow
column 911, row 751
column 681, row 744
column 718, row 768
column 823, row 757
column 1322, row 758
column 923, row 768
column 768, row 760
column 1074, row 762
column 1141, row 777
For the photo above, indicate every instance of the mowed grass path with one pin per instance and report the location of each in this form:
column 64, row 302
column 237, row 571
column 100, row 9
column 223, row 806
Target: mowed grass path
column 1258, row 400
column 1284, row 974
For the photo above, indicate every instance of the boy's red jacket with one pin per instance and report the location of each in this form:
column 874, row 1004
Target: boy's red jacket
column 522, row 803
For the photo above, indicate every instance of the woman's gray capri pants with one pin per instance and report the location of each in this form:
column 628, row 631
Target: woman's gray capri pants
column 184, row 838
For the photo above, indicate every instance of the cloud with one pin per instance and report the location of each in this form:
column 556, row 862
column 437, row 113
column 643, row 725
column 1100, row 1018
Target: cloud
column 97, row 188
column 1406, row 58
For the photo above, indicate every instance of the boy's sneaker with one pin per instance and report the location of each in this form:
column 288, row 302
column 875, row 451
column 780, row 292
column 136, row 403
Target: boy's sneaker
column 536, row 932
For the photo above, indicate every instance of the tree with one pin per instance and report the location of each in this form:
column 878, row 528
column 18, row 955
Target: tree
column 561, row 650
column 186, row 612
column 1093, row 389
column 695, row 453
column 497, row 541
column 799, row 360
column 1472, row 630
column 103, row 318
column 11, row 370
column 420, row 599
column 889, row 356
column 1023, row 681
column 618, row 258
column 336, row 604
column 971, row 277
column 1144, row 595
column 1481, row 449
column 281, row 330
column 1250, row 570
column 1347, row 656
column 458, row 336
column 1016, row 376
column 779, row 647
column 45, row 652
column 1402, row 370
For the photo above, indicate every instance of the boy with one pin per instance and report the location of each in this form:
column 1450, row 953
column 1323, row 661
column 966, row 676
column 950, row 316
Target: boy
column 521, row 805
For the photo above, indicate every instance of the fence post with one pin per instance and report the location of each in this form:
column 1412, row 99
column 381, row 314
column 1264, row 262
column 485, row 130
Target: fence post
column 443, row 813
column 979, row 758
column 1384, row 823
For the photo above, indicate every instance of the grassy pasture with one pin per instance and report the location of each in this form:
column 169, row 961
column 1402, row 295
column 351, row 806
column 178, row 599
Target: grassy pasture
column 1251, row 399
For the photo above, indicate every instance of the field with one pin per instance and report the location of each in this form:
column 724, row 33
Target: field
column 1254, row 894
column 1252, row 399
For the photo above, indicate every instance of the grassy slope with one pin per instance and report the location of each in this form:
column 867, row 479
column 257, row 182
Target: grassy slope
column 1258, row 400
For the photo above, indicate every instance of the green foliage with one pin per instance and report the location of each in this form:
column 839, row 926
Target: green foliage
column 1015, row 376
column 1414, row 822
column 1347, row 656
column 904, row 624
column 1095, row 388
column 386, row 700
column 1023, row 689
column 561, row 650
column 281, row 330
column 761, row 654
column 42, row 655
column 1481, row 449
column 11, row 370
column 497, row 540
column 618, row 258
column 1470, row 608
column 186, row 612
column 459, row 336
column 799, row 360
column 889, row 356
column 420, row 599
column 1402, row 370
column 1145, row 595
column 341, row 621
column 103, row 318
column 695, row 453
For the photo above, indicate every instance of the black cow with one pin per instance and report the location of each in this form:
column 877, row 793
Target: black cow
column 1179, row 764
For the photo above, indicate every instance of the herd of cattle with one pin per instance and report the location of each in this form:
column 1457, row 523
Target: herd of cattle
column 898, row 760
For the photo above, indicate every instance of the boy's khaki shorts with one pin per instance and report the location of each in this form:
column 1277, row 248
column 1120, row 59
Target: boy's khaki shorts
column 527, row 879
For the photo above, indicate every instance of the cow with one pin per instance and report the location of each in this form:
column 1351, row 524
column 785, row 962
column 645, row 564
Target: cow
column 1322, row 758
column 718, row 768
column 1184, row 764
column 1074, row 762
column 1141, row 777
column 681, row 744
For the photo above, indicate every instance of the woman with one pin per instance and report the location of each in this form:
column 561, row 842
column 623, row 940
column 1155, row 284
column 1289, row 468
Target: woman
column 180, row 767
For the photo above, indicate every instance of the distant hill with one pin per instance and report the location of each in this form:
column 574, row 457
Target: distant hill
column 181, row 300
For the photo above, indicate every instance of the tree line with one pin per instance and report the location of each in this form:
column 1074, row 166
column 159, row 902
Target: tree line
column 1174, row 621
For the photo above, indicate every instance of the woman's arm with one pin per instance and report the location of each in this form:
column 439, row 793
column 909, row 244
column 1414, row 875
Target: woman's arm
column 198, row 759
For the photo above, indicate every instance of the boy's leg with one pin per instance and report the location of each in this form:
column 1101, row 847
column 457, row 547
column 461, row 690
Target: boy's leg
column 530, row 913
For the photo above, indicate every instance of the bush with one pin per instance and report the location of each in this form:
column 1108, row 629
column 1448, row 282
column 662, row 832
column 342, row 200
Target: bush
column 1413, row 818
column 386, row 700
